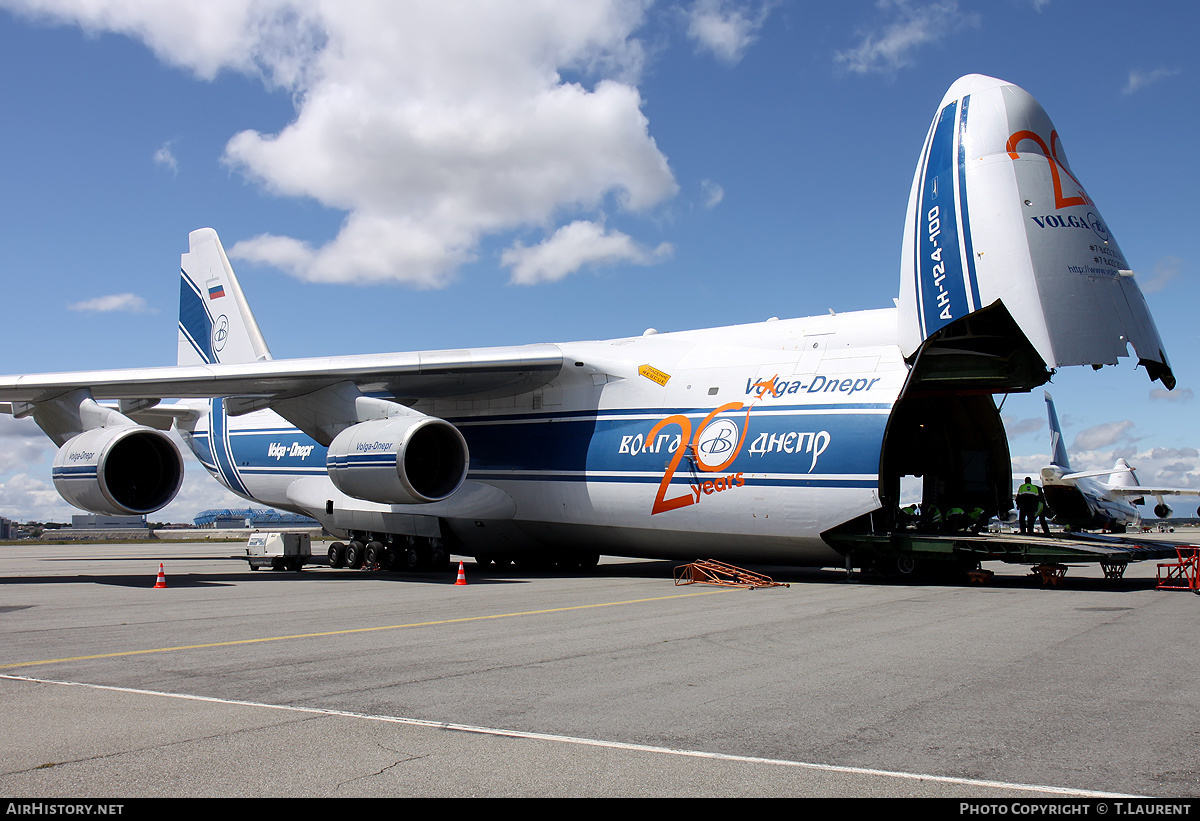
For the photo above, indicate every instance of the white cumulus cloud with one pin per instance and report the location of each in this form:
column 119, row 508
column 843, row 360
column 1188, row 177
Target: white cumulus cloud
column 581, row 243
column 1165, row 270
column 1103, row 435
column 432, row 125
column 1019, row 427
column 122, row 303
column 22, row 445
column 910, row 27
column 1139, row 78
column 165, row 157
column 712, row 192
column 27, row 498
column 1181, row 395
column 724, row 28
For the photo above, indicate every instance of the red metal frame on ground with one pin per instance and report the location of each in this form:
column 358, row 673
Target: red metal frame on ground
column 1183, row 573
column 1050, row 573
column 707, row 571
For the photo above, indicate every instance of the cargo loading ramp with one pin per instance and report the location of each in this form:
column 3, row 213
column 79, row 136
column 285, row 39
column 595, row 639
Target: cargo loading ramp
column 904, row 552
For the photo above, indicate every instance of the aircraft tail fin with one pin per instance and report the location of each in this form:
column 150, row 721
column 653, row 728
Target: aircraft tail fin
column 215, row 321
column 1123, row 475
column 1000, row 230
column 1058, row 448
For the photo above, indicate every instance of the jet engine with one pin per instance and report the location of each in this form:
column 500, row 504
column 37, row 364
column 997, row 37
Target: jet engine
column 1162, row 511
column 122, row 470
column 400, row 460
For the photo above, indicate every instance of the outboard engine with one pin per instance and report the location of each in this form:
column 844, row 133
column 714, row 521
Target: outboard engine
column 119, row 471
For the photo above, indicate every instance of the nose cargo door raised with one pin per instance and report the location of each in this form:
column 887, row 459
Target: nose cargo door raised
column 1008, row 268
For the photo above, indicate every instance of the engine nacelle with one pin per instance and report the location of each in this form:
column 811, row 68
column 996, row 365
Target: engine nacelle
column 128, row 470
column 1162, row 511
column 401, row 460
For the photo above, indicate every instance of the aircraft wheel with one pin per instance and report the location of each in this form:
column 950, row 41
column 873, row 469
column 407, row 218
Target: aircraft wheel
column 390, row 560
column 906, row 566
column 337, row 555
column 354, row 555
column 413, row 560
column 373, row 554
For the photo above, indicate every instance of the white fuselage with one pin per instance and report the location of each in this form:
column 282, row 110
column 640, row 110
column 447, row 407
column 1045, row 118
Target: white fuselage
column 1086, row 502
column 751, row 439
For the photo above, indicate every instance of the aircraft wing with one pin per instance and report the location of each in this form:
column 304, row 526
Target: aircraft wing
column 1085, row 474
column 427, row 374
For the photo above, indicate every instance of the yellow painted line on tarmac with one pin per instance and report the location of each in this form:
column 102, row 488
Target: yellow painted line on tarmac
column 354, row 630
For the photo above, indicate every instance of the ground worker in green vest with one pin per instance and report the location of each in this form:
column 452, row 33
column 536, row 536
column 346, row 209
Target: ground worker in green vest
column 1031, row 505
column 978, row 519
column 956, row 519
column 1041, row 512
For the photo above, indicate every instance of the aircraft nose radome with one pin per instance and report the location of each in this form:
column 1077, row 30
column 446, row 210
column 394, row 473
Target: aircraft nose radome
column 999, row 111
column 972, row 84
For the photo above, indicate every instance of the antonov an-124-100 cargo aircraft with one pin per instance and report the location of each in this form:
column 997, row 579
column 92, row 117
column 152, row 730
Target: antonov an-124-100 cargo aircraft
column 780, row 442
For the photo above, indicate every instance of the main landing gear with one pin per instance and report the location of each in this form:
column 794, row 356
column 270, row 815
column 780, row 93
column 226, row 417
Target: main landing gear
column 414, row 554
column 388, row 551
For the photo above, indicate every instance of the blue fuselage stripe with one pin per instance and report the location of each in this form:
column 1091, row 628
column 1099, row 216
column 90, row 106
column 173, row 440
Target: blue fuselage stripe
column 223, row 451
column 968, row 245
column 774, row 445
column 941, row 283
column 194, row 319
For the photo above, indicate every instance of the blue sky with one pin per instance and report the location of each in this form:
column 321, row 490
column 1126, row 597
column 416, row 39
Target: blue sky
column 410, row 176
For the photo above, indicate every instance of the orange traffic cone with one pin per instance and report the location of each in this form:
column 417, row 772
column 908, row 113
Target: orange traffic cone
column 462, row 576
column 162, row 578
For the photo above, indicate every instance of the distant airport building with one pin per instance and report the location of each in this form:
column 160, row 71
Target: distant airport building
column 8, row 528
column 88, row 521
column 250, row 517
